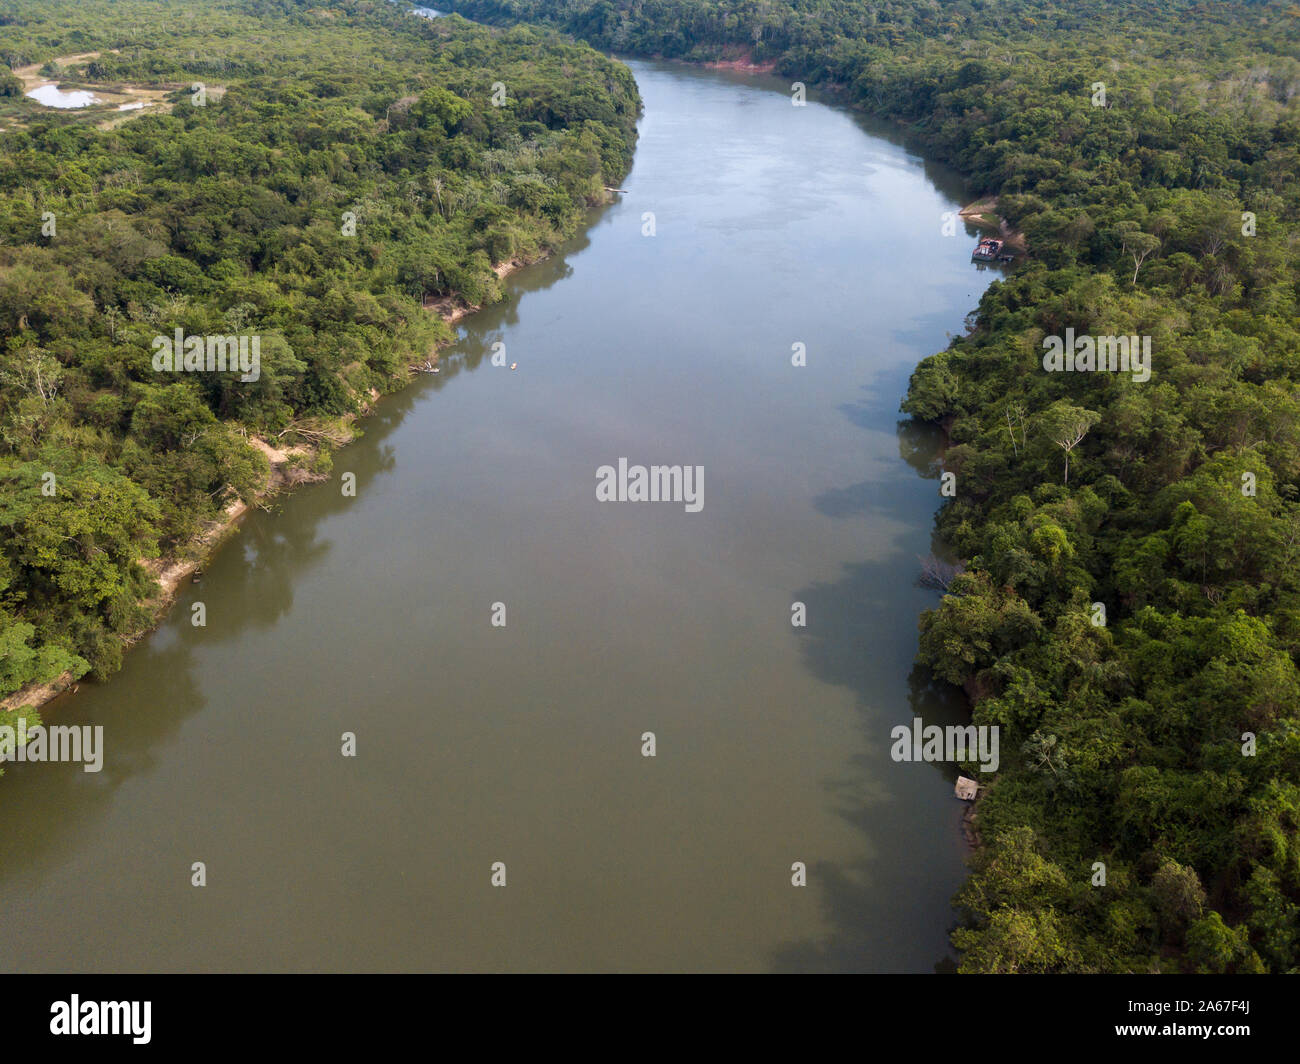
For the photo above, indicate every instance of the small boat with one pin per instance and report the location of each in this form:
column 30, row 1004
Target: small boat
column 986, row 250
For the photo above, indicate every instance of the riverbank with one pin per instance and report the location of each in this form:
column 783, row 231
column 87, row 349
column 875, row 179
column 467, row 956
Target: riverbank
column 451, row 308
column 983, row 214
column 285, row 472
column 741, row 60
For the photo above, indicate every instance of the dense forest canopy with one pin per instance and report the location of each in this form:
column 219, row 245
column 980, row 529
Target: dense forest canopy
column 1157, row 734
column 347, row 161
column 1129, row 610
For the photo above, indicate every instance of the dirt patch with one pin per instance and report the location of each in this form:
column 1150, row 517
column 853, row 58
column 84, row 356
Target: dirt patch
column 135, row 101
column 981, row 211
column 38, row 694
column 115, row 103
column 453, row 307
column 742, row 62
column 169, row 572
column 31, row 73
column 983, row 214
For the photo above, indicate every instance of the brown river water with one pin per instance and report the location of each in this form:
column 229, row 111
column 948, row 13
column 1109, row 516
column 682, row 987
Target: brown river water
column 774, row 225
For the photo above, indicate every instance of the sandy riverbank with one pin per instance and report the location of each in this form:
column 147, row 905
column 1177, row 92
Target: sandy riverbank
column 169, row 572
column 984, row 214
column 452, row 308
column 743, row 62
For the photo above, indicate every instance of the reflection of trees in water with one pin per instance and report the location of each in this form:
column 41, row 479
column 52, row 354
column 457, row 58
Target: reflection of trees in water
column 855, row 640
column 920, row 445
column 53, row 811
column 50, row 809
column 875, row 497
column 482, row 329
column 273, row 550
column 259, row 591
column 937, row 702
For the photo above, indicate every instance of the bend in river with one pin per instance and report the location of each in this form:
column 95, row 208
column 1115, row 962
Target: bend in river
column 774, row 226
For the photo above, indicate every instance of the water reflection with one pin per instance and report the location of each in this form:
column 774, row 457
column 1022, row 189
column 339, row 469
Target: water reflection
column 54, row 808
column 844, row 648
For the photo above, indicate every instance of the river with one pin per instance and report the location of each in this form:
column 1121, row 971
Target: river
column 774, row 225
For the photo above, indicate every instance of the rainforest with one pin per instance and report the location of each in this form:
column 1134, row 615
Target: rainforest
column 1113, row 582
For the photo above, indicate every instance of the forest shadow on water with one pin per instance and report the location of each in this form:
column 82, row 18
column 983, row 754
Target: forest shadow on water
column 255, row 570
column 843, row 649
column 32, row 844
